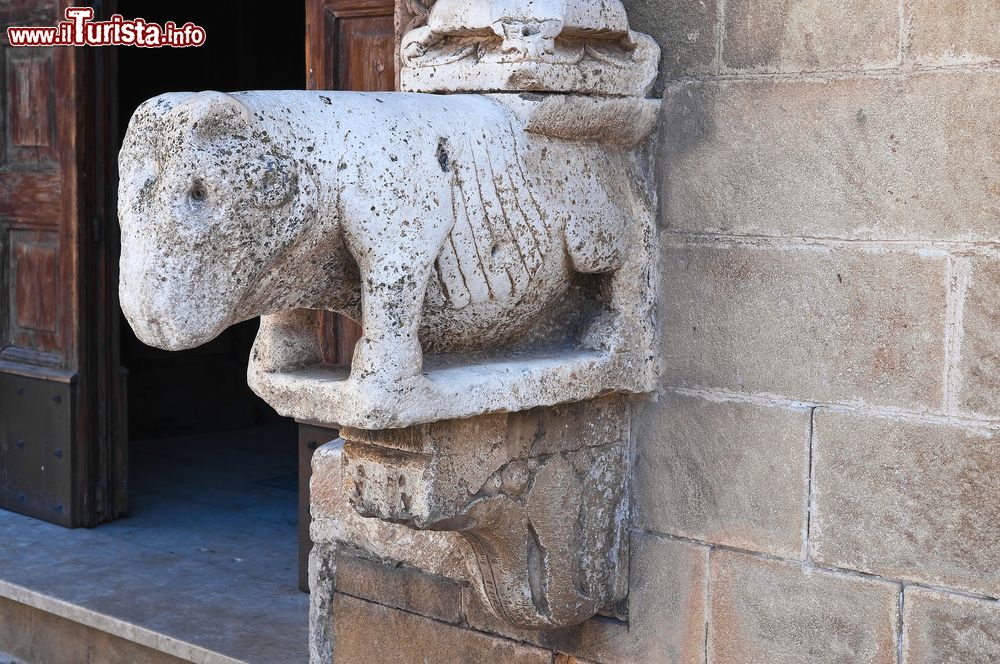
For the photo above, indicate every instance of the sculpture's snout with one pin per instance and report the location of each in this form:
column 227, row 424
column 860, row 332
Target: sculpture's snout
column 170, row 302
column 205, row 202
column 162, row 321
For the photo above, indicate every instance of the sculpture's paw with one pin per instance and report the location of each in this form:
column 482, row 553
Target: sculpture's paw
column 415, row 44
column 386, row 402
column 608, row 333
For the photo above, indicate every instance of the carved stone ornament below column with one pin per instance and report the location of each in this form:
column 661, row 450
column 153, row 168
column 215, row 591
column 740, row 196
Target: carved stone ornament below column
column 582, row 46
column 497, row 248
column 539, row 496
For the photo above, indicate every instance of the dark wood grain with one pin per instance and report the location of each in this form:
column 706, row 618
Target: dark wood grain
column 59, row 282
column 35, row 303
column 31, row 198
column 30, row 102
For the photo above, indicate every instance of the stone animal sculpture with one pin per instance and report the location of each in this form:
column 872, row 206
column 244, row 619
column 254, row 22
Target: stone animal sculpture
column 439, row 221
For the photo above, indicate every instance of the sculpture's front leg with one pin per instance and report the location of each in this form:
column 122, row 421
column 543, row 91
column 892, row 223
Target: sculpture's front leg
column 392, row 298
column 395, row 255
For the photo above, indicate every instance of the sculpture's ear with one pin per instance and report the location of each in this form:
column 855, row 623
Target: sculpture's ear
column 276, row 182
column 215, row 115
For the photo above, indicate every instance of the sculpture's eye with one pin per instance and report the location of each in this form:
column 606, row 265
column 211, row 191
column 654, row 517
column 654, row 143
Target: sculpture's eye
column 198, row 192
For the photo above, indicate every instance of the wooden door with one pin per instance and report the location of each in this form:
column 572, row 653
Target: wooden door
column 350, row 45
column 62, row 454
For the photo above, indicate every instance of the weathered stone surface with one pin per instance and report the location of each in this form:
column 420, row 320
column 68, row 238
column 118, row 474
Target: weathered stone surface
column 334, row 520
column 947, row 629
column 540, row 497
column 831, row 324
column 400, row 587
column 765, row 611
column 562, row 658
column 367, row 632
column 462, row 226
column 687, row 32
column 544, row 46
column 322, row 588
column 467, row 257
column 979, row 361
column 954, row 31
column 908, row 501
column 28, row 634
column 435, row 469
column 666, row 607
column 913, row 157
column 723, row 472
column 810, row 35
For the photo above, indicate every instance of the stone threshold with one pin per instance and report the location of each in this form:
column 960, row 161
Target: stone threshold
column 204, row 570
column 131, row 632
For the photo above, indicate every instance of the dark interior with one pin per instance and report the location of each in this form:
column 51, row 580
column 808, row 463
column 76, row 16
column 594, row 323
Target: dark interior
column 248, row 47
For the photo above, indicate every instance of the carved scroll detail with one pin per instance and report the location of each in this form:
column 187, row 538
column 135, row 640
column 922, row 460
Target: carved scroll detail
column 538, row 495
column 569, row 46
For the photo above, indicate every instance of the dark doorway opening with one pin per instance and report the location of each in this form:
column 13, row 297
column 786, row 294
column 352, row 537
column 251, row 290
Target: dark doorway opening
column 248, row 48
column 205, row 453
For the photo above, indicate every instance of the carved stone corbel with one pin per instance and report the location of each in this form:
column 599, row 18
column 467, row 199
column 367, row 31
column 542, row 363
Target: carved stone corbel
column 539, row 495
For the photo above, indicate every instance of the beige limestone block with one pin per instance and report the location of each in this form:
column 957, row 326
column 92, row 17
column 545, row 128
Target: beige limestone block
column 941, row 628
column 810, row 35
column 915, row 157
column 367, row 632
column 979, row 355
column 954, row 31
column 562, row 658
column 687, row 32
column 723, row 472
column 829, row 324
column 765, row 611
column 666, row 608
column 388, row 583
column 909, row 501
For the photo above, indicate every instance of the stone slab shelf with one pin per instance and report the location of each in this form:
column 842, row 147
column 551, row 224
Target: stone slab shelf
column 454, row 386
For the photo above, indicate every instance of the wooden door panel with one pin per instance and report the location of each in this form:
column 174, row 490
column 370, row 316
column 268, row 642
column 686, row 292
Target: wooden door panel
column 56, row 281
column 37, row 218
column 30, row 111
column 35, row 302
column 30, row 198
column 350, row 45
column 365, row 48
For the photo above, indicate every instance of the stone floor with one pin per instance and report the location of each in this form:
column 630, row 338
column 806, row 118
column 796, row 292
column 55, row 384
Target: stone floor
column 204, row 568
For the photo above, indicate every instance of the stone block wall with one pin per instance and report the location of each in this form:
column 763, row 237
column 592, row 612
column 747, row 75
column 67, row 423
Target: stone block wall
column 816, row 479
column 827, row 433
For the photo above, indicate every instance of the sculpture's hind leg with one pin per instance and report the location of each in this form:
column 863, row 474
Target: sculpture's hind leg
column 620, row 244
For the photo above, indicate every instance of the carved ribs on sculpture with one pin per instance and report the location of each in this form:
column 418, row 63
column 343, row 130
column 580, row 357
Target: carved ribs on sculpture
column 437, row 220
